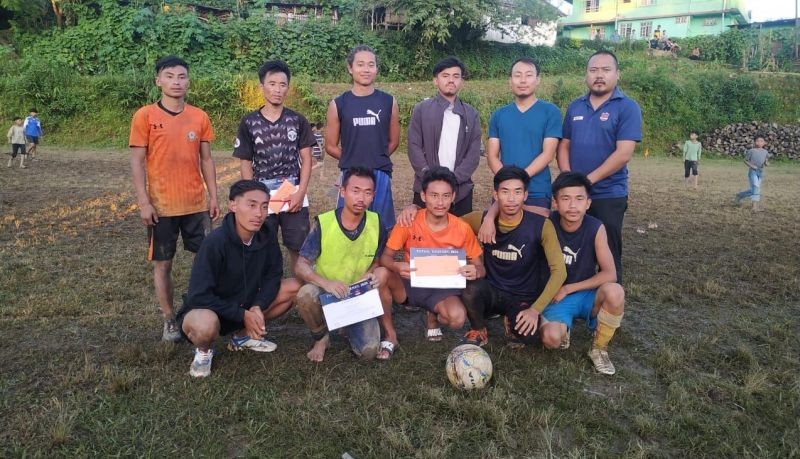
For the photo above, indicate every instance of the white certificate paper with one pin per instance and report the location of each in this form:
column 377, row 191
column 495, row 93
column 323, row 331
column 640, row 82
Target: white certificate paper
column 437, row 268
column 362, row 303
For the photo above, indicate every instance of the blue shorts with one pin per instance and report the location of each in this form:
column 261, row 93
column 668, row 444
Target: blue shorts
column 576, row 305
column 383, row 202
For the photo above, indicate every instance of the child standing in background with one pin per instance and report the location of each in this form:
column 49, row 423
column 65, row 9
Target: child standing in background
column 756, row 159
column 691, row 157
column 16, row 137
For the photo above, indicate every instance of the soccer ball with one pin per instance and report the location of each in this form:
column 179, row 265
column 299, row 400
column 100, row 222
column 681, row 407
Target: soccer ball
column 469, row 367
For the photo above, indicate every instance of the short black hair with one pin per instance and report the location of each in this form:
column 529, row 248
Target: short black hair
column 570, row 179
column 170, row 61
column 439, row 173
column 693, row 132
column 274, row 67
column 351, row 56
column 511, row 173
column 243, row 186
column 448, row 62
column 525, row 60
column 17, row 118
column 358, row 171
column 33, row 110
column 604, row 52
column 759, row 136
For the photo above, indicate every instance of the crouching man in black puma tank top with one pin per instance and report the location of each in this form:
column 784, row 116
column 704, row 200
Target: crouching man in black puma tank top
column 524, row 246
column 588, row 293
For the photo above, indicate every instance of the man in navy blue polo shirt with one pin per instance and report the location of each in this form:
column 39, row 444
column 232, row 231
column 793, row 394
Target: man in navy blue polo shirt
column 600, row 133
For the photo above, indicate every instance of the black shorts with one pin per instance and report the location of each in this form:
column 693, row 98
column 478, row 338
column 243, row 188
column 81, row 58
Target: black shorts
column 32, row 139
column 163, row 236
column 18, row 148
column 689, row 166
column 428, row 298
column 294, row 227
column 496, row 301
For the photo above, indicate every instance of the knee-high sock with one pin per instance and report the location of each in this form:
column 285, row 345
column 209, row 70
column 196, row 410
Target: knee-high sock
column 607, row 324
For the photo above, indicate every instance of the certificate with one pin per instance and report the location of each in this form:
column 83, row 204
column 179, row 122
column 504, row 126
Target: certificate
column 362, row 302
column 437, row 268
column 280, row 191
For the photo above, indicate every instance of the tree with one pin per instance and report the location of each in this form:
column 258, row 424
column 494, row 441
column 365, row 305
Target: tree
column 435, row 21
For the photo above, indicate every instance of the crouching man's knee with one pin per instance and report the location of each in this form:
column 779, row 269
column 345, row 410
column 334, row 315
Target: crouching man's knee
column 365, row 338
column 612, row 298
column 201, row 326
column 552, row 334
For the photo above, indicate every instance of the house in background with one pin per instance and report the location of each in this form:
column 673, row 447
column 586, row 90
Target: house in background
column 638, row 19
column 528, row 30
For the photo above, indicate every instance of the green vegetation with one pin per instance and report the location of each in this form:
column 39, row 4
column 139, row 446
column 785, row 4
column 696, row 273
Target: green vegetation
column 89, row 75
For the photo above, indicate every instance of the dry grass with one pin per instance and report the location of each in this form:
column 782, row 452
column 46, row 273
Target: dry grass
column 707, row 356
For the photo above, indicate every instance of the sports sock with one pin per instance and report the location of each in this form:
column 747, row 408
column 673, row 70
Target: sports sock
column 607, row 324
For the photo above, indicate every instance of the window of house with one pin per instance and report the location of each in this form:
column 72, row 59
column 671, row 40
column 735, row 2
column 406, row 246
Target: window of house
column 710, row 22
column 626, row 30
column 592, row 6
column 681, row 19
column 645, row 29
column 647, row 2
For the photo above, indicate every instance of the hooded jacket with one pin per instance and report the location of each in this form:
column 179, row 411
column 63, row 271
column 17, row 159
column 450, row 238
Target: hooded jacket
column 229, row 276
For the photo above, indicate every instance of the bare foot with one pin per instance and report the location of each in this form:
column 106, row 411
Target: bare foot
column 317, row 352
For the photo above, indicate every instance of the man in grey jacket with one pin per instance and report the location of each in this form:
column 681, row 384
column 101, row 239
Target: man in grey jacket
column 445, row 131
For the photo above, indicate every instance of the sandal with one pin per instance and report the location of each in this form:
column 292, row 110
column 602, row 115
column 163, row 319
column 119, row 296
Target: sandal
column 387, row 350
column 434, row 335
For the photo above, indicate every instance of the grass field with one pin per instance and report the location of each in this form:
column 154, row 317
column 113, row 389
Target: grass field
column 707, row 357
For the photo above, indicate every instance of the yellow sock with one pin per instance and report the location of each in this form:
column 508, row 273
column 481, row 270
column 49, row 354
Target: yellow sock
column 607, row 324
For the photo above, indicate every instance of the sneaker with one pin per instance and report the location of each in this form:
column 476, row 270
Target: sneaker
column 201, row 365
column 564, row 341
column 171, row 332
column 476, row 337
column 240, row 343
column 601, row 361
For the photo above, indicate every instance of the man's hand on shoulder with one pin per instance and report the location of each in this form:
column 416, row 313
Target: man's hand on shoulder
column 406, row 216
column 487, row 232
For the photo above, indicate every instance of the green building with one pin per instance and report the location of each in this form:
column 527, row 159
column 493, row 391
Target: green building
column 639, row 19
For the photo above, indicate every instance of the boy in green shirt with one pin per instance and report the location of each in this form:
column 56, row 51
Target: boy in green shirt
column 691, row 157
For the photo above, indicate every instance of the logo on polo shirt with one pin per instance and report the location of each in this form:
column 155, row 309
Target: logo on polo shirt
column 513, row 253
column 604, row 116
column 570, row 256
column 371, row 120
column 191, row 136
column 577, row 118
column 291, row 135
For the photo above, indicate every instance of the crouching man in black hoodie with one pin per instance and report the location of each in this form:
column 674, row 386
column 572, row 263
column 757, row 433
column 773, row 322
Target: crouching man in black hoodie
column 236, row 285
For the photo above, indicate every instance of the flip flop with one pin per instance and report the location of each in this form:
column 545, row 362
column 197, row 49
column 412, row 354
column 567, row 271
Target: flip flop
column 434, row 335
column 388, row 347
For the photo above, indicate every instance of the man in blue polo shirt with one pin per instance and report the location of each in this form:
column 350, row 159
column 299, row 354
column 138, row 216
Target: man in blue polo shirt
column 525, row 134
column 600, row 133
